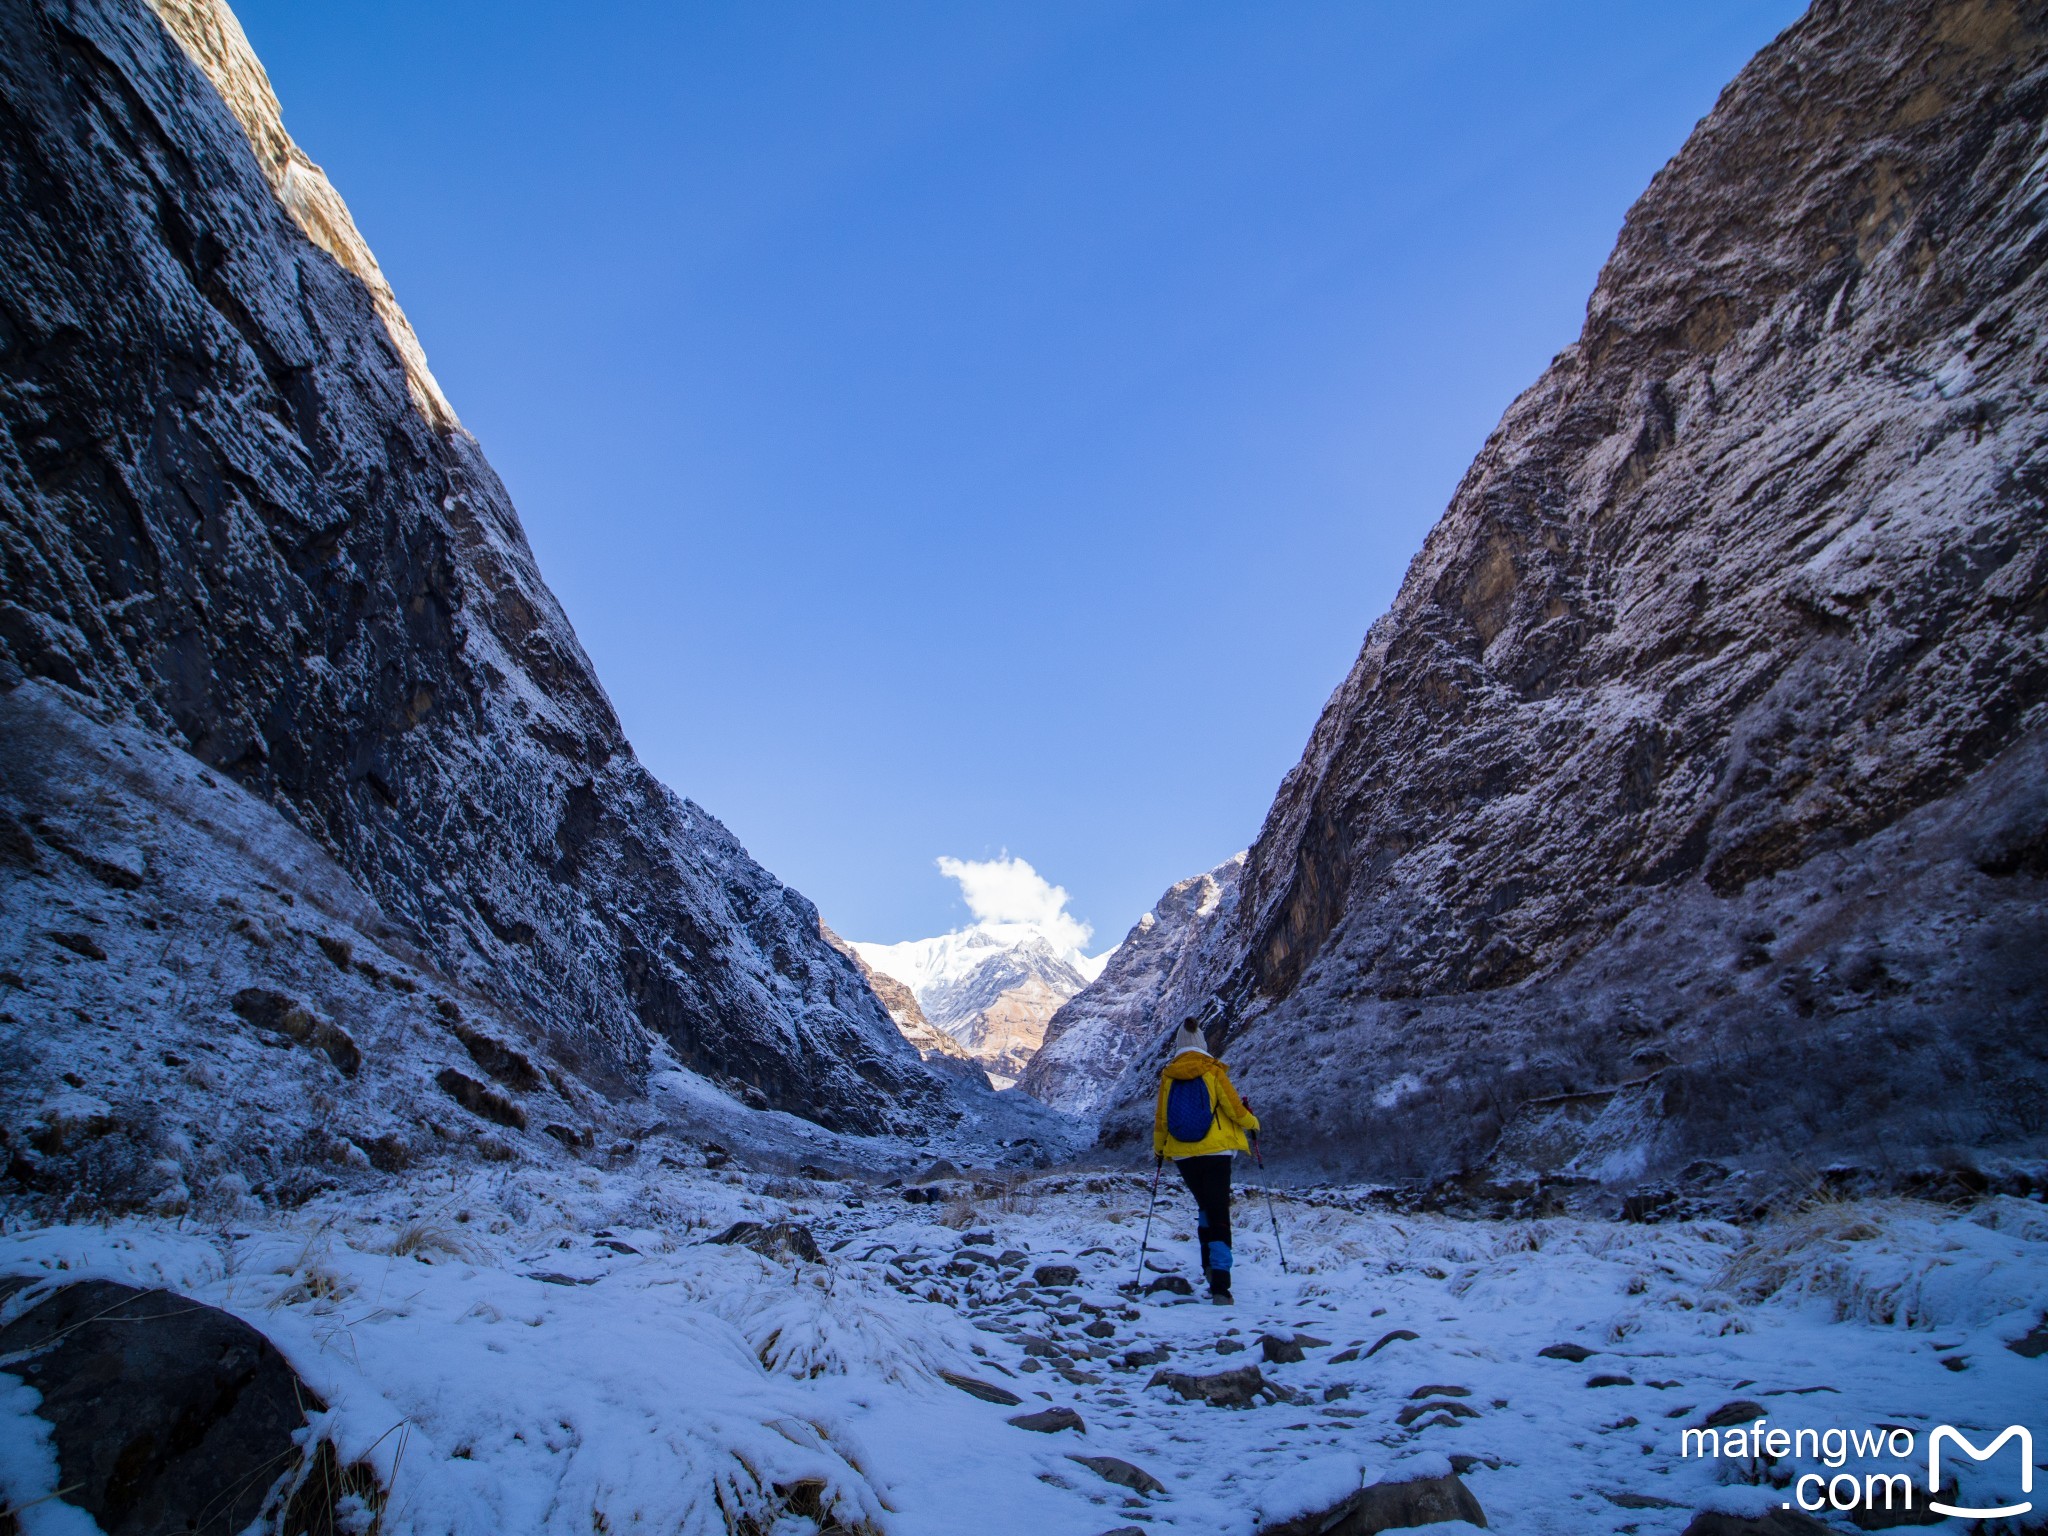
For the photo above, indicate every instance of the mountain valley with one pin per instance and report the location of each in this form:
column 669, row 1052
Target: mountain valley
column 1641, row 976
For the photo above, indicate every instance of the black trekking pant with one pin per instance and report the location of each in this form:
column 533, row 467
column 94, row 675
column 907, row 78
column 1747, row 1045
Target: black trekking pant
column 1208, row 1180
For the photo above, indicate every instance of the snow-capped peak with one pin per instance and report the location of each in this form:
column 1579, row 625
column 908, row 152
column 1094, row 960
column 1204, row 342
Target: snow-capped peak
column 992, row 986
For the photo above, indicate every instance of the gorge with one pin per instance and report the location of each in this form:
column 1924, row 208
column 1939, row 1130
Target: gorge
column 1642, row 970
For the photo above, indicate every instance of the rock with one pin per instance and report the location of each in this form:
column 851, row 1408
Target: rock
column 1222, row 1389
column 1440, row 1392
column 1776, row 1522
column 2032, row 1344
column 1740, row 1411
column 775, row 1240
column 1344, row 1356
column 978, row 1240
column 483, row 1102
column 1050, row 1421
column 280, row 1015
column 1230, row 1346
column 1610, row 1380
column 987, row 1391
column 1337, row 1392
column 81, row 944
column 1420, row 1501
column 1012, row 1258
column 1054, row 1275
column 1279, row 1351
column 1101, row 1328
column 1123, row 1473
column 166, row 1414
column 1135, row 1358
column 1575, row 1353
column 509, row 1065
column 1175, row 1285
column 1449, row 1407
column 1393, row 1336
column 1386, row 1507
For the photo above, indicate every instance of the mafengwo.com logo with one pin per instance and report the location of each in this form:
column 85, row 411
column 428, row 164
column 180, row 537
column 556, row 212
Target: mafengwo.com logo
column 1890, row 1463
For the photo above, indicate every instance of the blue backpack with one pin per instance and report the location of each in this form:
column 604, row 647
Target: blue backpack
column 1189, row 1111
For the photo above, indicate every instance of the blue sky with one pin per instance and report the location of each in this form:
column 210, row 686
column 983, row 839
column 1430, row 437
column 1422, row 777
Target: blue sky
column 960, row 428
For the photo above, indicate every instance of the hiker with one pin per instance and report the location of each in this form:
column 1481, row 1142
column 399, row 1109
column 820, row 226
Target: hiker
column 1201, row 1124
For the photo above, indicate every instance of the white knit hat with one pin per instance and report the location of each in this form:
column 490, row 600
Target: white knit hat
column 1189, row 1037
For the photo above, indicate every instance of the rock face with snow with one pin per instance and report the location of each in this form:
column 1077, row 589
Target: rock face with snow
column 937, row 1048
column 1694, row 777
column 993, row 987
column 1153, row 980
column 236, row 511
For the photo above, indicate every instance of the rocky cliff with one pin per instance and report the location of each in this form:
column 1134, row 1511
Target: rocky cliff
column 237, row 512
column 930, row 1042
column 1688, row 799
column 1155, row 978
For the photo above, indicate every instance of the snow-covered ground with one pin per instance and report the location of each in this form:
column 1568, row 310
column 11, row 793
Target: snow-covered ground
column 518, row 1349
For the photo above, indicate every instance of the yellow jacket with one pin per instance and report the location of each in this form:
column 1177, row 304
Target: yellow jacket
column 1229, row 1119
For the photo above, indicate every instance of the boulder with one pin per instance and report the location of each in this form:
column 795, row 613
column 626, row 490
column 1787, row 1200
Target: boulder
column 987, row 1391
column 1279, row 1351
column 1741, row 1411
column 1050, row 1421
column 1123, row 1473
column 2032, row 1344
column 1387, row 1507
column 1449, row 1407
column 1175, row 1285
column 1056, row 1275
column 1575, row 1353
column 1222, row 1389
column 168, row 1415
column 1391, row 1336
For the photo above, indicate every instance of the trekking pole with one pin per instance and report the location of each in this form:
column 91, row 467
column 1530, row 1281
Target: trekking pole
column 1157, row 1164
column 1260, row 1158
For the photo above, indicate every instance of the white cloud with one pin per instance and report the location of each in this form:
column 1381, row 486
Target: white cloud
column 1006, row 891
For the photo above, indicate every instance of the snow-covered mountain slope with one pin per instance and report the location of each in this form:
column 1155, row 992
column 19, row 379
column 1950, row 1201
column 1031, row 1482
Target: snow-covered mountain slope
column 938, row 1049
column 1152, row 981
column 236, row 511
column 993, row 987
column 1693, row 778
